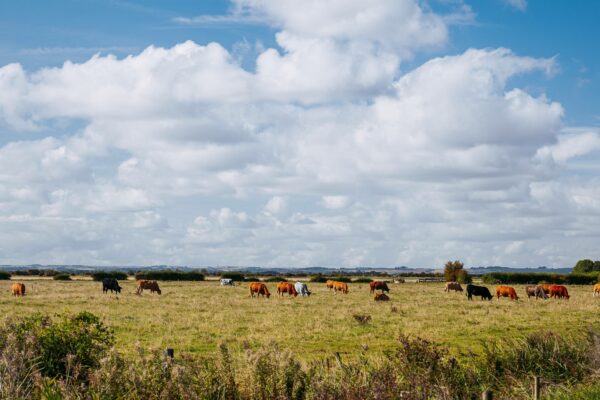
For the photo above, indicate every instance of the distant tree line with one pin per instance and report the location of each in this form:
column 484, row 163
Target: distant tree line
column 586, row 265
column 537, row 277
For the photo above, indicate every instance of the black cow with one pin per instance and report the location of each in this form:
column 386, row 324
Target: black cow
column 482, row 291
column 110, row 284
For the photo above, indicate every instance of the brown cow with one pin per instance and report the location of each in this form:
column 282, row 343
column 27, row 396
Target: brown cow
column 286, row 287
column 379, row 285
column 545, row 287
column 152, row 286
column 506, row 291
column 381, row 297
column 259, row 289
column 340, row 286
column 329, row 284
column 596, row 289
column 559, row 291
column 453, row 286
column 18, row 289
column 536, row 291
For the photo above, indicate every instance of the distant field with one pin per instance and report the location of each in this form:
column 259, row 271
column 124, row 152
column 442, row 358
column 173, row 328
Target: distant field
column 194, row 317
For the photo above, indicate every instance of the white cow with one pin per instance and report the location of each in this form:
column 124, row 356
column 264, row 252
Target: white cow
column 301, row 289
column 226, row 282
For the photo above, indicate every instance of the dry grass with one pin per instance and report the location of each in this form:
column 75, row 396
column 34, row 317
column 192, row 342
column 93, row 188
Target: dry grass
column 194, row 317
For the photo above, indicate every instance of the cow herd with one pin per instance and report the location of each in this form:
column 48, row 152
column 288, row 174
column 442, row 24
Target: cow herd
column 259, row 289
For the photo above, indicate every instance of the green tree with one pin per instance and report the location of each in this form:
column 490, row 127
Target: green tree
column 452, row 270
column 463, row 277
column 583, row 266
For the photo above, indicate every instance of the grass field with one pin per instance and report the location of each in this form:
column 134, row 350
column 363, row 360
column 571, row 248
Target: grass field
column 194, row 317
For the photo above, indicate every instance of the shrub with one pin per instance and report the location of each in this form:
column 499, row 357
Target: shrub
column 62, row 277
column 235, row 276
column 170, row 275
column 251, row 279
column 276, row 279
column 101, row 275
column 4, row 276
column 452, row 269
column 318, row 279
column 362, row 280
column 535, row 278
column 463, row 277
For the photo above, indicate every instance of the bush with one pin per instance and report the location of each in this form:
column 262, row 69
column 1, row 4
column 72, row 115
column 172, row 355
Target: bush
column 535, row 278
column 169, row 275
column 4, row 276
column 62, row 277
column 276, row 279
column 101, row 275
column 463, row 277
column 235, row 276
column 362, row 280
column 251, row 279
column 452, row 270
column 318, row 279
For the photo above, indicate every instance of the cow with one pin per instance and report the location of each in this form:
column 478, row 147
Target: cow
column 379, row 285
column 453, row 286
column 329, row 284
column 559, row 291
column 535, row 291
column 340, row 286
column 506, row 291
column 110, row 284
column 148, row 285
column 18, row 289
column 545, row 287
column 473, row 290
column 381, row 297
column 302, row 289
column 596, row 289
column 259, row 289
column 226, row 282
column 286, row 287
column 399, row 280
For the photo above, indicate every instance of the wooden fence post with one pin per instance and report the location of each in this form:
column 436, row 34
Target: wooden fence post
column 536, row 388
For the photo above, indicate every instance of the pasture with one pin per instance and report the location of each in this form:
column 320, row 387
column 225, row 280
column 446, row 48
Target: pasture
column 194, row 317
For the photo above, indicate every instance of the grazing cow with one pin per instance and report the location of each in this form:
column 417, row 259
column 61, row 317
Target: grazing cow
column 379, row 285
column 399, row 280
column 286, row 287
column 226, row 282
column 302, row 289
column 506, row 291
column 110, row 284
column 545, row 287
column 18, row 289
column 329, row 284
column 381, row 297
column 535, row 291
column 453, row 286
column 596, row 289
column 559, row 291
column 259, row 289
column 340, row 286
column 148, row 285
column 473, row 290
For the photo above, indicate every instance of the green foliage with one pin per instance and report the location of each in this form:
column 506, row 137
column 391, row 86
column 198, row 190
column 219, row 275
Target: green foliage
column 362, row 280
column 235, row 276
column 169, row 275
column 276, row 279
column 463, row 277
column 101, row 275
column 319, row 278
column 535, row 278
column 452, row 269
column 251, row 279
column 62, row 277
column 4, row 276
column 586, row 265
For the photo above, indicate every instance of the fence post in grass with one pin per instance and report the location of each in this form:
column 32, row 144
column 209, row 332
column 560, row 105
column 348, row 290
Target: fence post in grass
column 169, row 352
column 487, row 395
column 536, row 388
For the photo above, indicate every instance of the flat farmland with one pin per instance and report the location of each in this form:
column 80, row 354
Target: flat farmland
column 194, row 317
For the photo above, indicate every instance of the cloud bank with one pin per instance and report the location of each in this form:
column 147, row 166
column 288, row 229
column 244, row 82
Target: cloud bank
column 326, row 153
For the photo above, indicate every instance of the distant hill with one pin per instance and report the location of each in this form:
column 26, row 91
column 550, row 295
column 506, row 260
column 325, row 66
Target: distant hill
column 281, row 270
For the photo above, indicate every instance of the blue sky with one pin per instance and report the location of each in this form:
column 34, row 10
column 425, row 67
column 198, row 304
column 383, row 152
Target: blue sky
column 267, row 132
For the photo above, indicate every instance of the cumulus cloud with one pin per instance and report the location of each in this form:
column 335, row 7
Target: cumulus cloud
column 520, row 5
column 325, row 153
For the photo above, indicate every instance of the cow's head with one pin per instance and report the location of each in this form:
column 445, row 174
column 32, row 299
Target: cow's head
column 158, row 291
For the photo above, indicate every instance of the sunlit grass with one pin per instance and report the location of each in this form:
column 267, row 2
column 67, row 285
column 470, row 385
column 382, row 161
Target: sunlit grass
column 194, row 317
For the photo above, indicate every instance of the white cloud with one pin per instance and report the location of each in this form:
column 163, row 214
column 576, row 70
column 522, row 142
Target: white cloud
column 326, row 153
column 520, row 5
